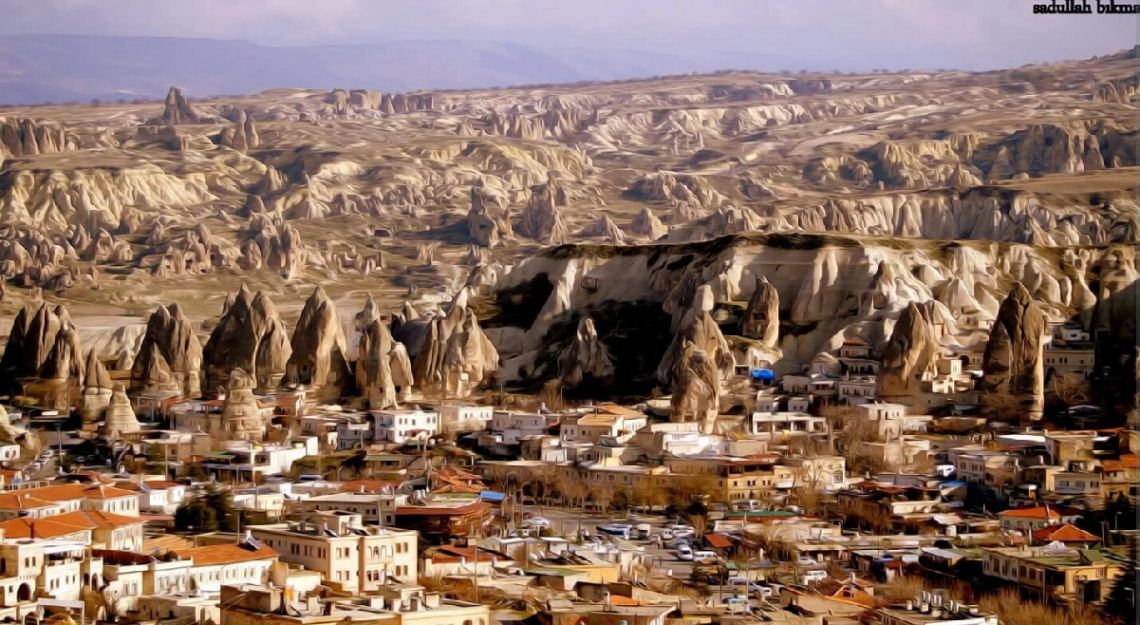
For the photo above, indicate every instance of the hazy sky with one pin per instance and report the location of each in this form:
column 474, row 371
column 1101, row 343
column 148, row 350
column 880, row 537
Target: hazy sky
column 967, row 34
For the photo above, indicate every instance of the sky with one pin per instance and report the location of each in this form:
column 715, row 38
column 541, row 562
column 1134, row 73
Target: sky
column 804, row 34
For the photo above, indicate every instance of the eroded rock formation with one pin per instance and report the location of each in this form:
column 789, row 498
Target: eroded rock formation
column 119, row 417
column 586, row 358
column 456, row 356
column 696, row 326
column 910, row 355
column 318, row 358
column 1013, row 364
column 541, row 220
column 695, row 387
column 761, row 320
column 250, row 336
column 180, row 353
column 178, row 110
column 241, row 418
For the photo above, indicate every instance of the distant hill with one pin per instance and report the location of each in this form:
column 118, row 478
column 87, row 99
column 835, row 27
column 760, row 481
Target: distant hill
column 60, row 68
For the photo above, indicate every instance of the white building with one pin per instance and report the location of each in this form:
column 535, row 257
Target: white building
column 344, row 550
column 517, row 425
column 400, row 426
column 464, row 418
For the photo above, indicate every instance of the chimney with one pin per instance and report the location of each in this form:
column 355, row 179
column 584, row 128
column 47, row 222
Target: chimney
column 607, row 604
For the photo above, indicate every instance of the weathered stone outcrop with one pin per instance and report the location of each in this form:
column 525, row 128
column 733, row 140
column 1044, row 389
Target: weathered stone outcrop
column 241, row 418
column 373, row 369
column 178, row 110
column 319, row 348
column 695, row 388
column 761, row 320
column 541, row 219
column 481, row 227
column 455, row 356
column 27, row 137
column 97, row 389
column 250, row 336
column 647, row 224
column 1013, row 364
column 586, row 358
column 910, row 355
column 242, row 136
column 696, row 326
column 173, row 335
column 604, row 228
column 119, row 417
column 31, row 343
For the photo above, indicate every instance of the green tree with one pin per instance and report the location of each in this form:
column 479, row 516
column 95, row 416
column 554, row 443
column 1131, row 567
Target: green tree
column 209, row 510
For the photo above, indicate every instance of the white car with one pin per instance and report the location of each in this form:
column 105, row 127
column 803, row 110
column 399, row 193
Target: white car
column 740, row 583
column 809, row 577
column 536, row 521
column 682, row 531
column 736, row 605
column 705, row 556
column 685, row 553
column 806, row 561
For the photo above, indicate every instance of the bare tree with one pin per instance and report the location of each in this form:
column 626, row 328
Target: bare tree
column 602, row 496
column 1002, row 406
column 700, row 523
column 1070, row 389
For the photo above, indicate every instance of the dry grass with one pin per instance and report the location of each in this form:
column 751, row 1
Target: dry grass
column 1012, row 609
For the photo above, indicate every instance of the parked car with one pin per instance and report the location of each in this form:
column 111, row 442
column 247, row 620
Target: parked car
column 616, row 529
column 679, row 542
column 705, row 556
column 806, row 561
column 740, row 583
column 685, row 553
column 682, row 531
column 736, row 605
column 536, row 521
column 642, row 530
column 810, row 577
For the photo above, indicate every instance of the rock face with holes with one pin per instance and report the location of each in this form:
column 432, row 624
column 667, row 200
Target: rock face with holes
column 586, row 358
column 696, row 326
column 318, row 358
column 1013, row 363
column 374, row 377
column 241, row 419
column 761, row 319
column 696, row 387
column 455, row 356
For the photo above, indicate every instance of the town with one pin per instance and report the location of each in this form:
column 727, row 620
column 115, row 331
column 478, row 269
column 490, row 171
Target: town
column 330, row 478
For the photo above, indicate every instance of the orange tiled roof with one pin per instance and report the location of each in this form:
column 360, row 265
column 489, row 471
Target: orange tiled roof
column 22, row 500
column 369, row 486
column 1041, row 512
column 214, row 555
column 70, row 492
column 1130, row 461
column 64, row 524
column 1065, row 533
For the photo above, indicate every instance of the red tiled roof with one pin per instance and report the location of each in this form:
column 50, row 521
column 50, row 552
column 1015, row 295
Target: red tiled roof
column 1065, row 533
column 1130, row 461
column 1048, row 511
column 718, row 541
column 64, row 524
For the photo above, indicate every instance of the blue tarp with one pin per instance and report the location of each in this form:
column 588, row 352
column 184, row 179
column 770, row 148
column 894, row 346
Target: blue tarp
column 492, row 496
column 764, row 375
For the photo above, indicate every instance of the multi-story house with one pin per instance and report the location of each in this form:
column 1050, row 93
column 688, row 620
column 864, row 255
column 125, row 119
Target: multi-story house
column 400, row 426
column 464, row 418
column 213, row 566
column 513, row 426
column 1030, row 518
column 100, row 530
column 1057, row 574
column 344, row 550
column 604, row 423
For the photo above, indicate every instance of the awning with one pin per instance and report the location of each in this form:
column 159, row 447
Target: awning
column 219, row 455
column 718, row 541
